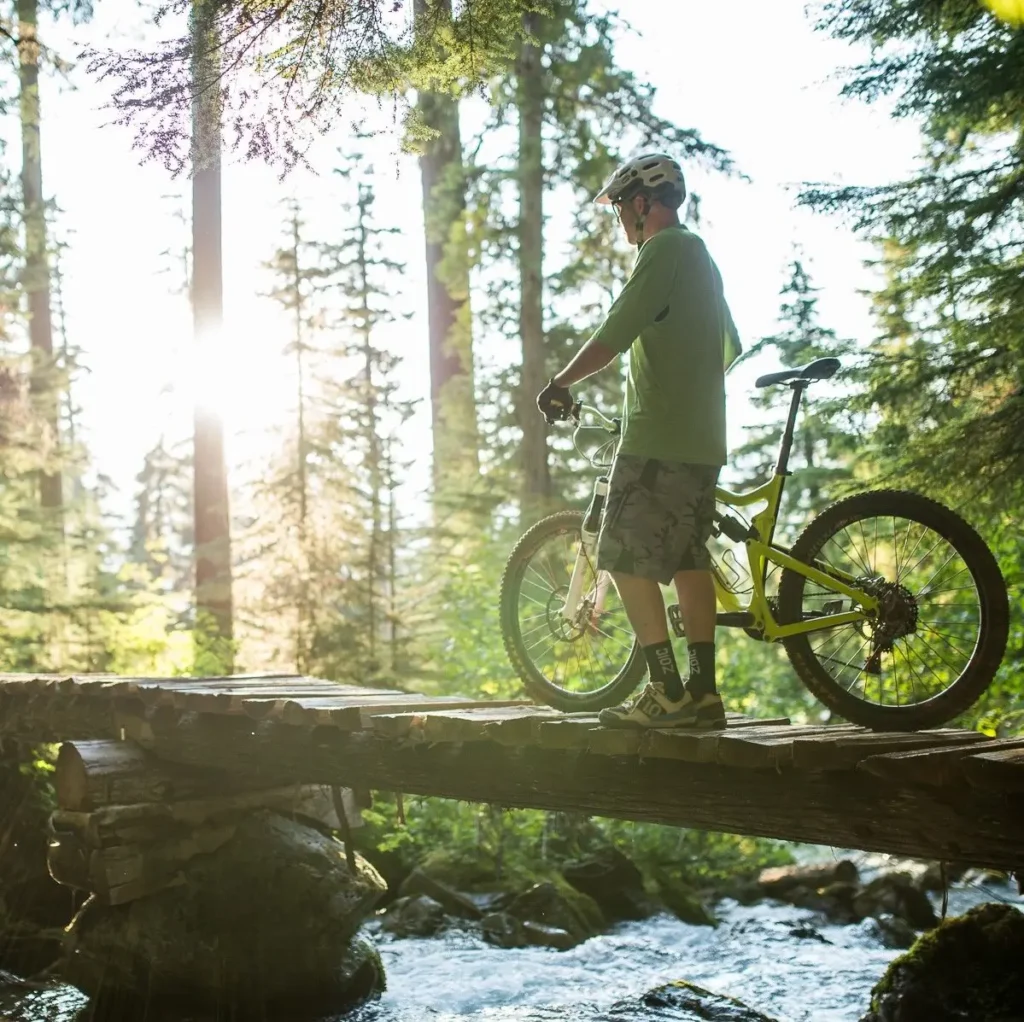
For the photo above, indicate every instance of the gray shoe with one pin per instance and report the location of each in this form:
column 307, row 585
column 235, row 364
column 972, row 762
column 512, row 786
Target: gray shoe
column 653, row 709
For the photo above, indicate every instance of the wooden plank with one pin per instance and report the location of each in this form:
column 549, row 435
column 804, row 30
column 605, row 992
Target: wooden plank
column 756, row 748
column 233, row 700
column 354, row 713
column 465, row 725
column 933, row 768
column 846, row 751
column 615, row 741
column 517, row 726
column 1001, row 770
column 688, row 746
column 410, row 724
column 566, row 733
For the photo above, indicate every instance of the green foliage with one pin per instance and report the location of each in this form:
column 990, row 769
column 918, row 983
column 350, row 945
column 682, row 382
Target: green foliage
column 942, row 389
column 308, row 58
column 476, row 847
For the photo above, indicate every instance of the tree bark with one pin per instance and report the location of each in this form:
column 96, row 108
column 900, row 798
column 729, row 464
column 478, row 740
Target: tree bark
column 452, row 399
column 36, row 279
column 536, row 478
column 214, row 613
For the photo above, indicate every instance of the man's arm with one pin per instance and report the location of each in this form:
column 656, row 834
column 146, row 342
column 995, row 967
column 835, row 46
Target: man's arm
column 639, row 303
column 591, row 358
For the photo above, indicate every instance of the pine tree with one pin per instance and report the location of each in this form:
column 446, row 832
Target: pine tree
column 824, row 444
column 369, row 412
column 951, row 241
column 453, row 400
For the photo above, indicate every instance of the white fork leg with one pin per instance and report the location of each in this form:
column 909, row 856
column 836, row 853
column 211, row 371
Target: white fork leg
column 571, row 607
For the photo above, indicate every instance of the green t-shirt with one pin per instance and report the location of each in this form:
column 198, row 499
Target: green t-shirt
column 673, row 320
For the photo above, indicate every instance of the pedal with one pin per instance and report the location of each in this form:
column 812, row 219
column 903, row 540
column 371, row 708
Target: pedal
column 675, row 618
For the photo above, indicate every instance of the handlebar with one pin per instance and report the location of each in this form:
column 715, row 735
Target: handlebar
column 576, row 413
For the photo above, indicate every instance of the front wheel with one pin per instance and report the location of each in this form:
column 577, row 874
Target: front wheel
column 582, row 663
column 940, row 631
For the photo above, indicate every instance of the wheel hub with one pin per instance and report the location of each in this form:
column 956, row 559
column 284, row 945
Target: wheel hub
column 896, row 617
column 568, row 630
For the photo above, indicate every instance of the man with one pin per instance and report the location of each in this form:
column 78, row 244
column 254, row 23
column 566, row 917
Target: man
column 673, row 320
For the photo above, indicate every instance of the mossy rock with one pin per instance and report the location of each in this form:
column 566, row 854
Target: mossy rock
column 272, row 915
column 681, row 900
column 968, row 969
column 555, row 903
column 686, row 1000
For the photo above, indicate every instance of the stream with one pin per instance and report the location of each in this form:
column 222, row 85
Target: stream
column 775, row 958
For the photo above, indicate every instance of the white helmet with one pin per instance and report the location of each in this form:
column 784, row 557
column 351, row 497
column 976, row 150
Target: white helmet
column 648, row 170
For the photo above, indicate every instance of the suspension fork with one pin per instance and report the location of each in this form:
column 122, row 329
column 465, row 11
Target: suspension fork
column 587, row 552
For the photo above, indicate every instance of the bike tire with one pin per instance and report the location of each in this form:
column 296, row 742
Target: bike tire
column 536, row 684
column 993, row 629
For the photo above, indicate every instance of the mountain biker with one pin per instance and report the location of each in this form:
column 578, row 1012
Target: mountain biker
column 672, row 318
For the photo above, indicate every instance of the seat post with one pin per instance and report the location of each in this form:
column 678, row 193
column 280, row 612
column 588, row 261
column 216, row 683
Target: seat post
column 782, row 465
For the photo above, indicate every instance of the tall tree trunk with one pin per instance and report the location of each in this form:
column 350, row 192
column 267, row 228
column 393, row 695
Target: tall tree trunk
column 536, row 479
column 37, row 267
column 212, row 521
column 373, row 451
column 452, row 400
column 305, row 604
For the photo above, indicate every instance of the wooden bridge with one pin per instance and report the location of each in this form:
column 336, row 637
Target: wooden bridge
column 187, row 745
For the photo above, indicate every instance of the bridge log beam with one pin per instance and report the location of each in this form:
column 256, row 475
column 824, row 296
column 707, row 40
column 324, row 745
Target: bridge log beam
column 849, row 809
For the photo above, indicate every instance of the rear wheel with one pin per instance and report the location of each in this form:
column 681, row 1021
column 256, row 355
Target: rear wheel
column 940, row 632
column 583, row 664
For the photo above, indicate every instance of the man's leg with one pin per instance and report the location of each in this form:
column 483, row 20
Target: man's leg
column 698, row 607
column 645, row 608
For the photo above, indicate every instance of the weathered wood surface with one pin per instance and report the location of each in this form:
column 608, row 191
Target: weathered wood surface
column 844, row 808
column 182, row 721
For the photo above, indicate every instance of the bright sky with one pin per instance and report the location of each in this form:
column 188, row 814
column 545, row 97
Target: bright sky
column 751, row 76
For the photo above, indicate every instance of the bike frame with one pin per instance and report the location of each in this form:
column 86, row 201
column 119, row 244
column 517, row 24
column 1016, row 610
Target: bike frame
column 762, row 551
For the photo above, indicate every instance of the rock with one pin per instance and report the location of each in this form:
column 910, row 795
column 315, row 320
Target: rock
column 895, row 894
column 778, row 881
column 930, row 878
column 270, row 916
column 549, row 936
column 681, row 901
column 456, row 904
column 685, row 1002
column 614, row 882
column 503, row 930
column 417, row 916
column 559, row 906
column 894, row 932
column 805, row 932
column 968, row 969
column 837, row 902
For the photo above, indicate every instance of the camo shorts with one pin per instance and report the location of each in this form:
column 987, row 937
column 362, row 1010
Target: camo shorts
column 657, row 518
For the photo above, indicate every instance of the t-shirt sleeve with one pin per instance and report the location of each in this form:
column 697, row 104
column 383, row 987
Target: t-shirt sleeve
column 731, row 346
column 644, row 298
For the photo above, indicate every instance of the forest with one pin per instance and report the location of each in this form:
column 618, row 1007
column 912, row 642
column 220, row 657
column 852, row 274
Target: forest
column 359, row 531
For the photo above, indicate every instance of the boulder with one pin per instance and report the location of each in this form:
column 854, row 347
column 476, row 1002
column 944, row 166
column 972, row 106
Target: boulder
column 681, row 900
column 417, row 916
column 968, row 969
column 559, row 906
column 614, row 882
column 420, row 883
column 685, row 1002
column 549, row 936
column 930, row 878
column 270, row 916
column 895, row 894
column 503, row 930
column 779, row 881
column 894, row 932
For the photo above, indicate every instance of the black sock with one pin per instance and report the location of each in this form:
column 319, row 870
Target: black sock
column 661, row 662
column 702, row 669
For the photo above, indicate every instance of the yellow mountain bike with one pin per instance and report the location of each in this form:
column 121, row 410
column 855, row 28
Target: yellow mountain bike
column 891, row 608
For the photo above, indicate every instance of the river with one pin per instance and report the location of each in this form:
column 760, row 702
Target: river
column 773, row 957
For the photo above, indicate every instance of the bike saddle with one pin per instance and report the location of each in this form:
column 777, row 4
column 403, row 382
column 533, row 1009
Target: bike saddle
column 819, row 369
